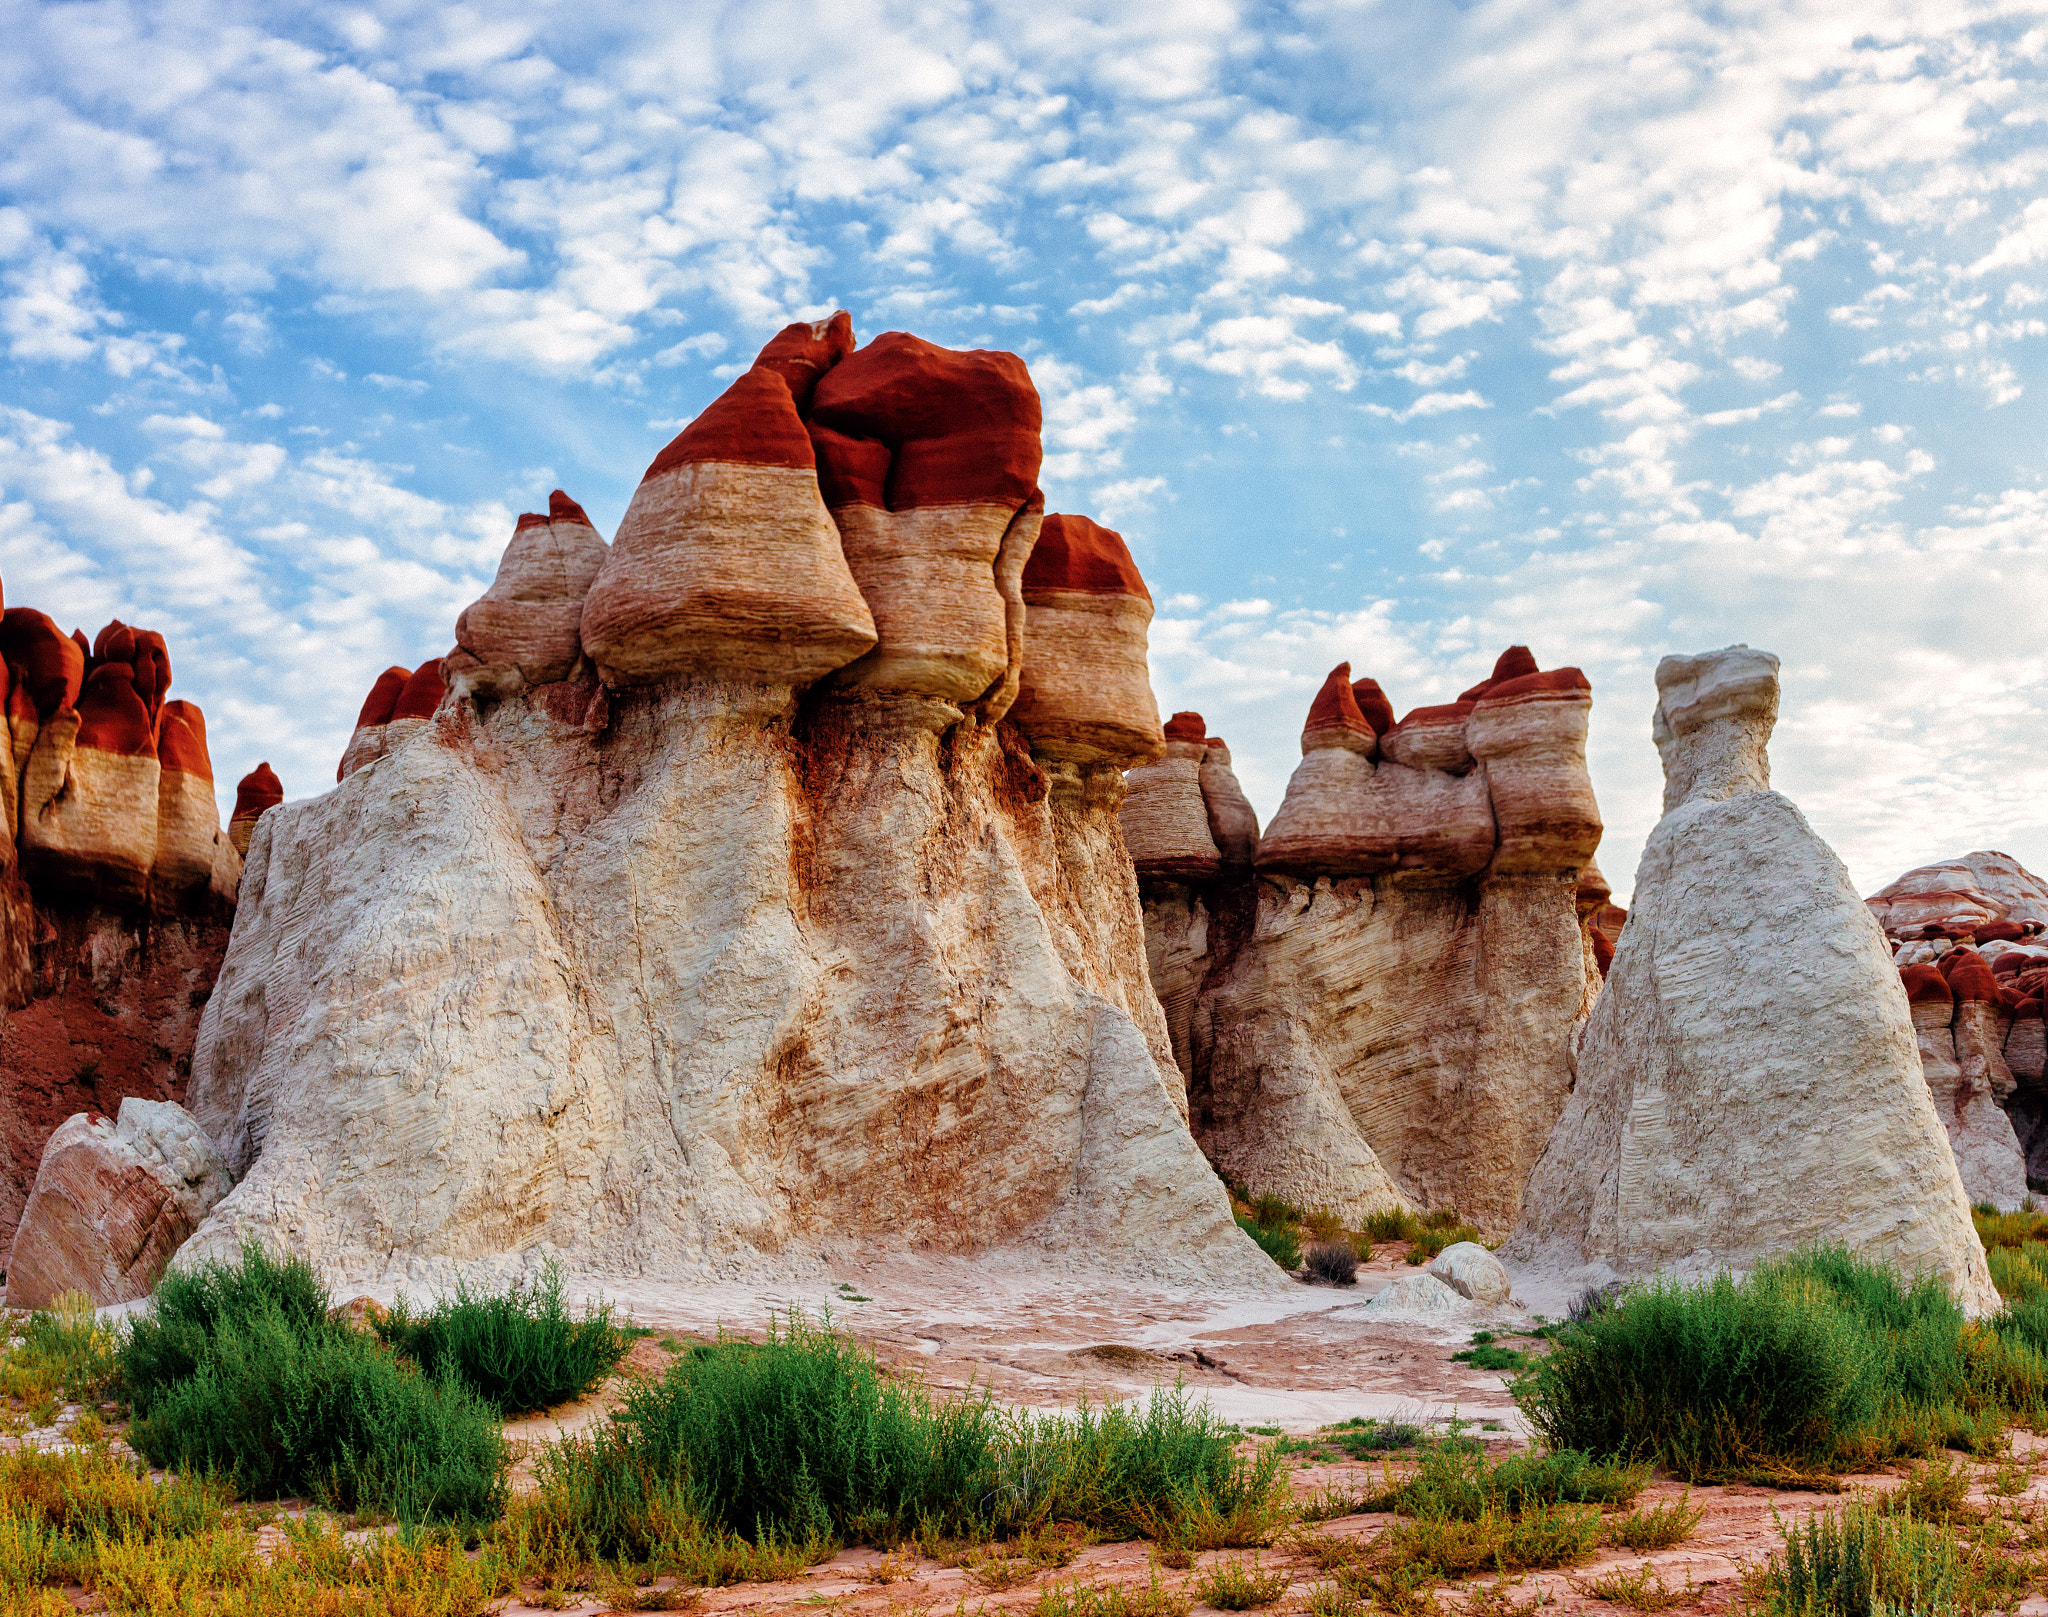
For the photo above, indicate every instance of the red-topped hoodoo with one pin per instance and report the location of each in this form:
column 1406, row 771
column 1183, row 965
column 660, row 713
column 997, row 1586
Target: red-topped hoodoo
column 726, row 562
column 1085, row 692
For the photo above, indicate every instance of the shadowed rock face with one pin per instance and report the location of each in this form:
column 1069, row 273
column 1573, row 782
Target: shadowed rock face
column 1382, row 1014
column 1687, row 1142
column 763, row 949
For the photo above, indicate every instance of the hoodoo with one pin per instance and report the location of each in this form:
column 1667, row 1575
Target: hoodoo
column 766, row 929
column 1383, row 1015
column 1688, row 1142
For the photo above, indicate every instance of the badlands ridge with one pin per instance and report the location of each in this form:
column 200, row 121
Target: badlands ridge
column 808, row 872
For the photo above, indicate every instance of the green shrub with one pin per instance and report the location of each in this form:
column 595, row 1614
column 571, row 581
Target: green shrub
column 237, row 1371
column 1461, row 1484
column 1860, row 1563
column 1280, row 1242
column 1818, row 1359
column 64, row 1349
column 519, row 1348
column 802, row 1439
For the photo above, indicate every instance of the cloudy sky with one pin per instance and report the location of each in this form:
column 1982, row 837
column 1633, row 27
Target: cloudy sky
column 1388, row 332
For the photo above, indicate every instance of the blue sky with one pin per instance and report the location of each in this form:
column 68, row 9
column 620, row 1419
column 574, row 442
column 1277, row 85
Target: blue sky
column 1388, row 332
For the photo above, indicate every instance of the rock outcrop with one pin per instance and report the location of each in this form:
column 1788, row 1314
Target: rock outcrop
column 526, row 630
column 367, row 743
column 1084, row 691
column 1968, row 937
column 117, row 883
column 1379, row 1011
column 781, row 940
column 256, row 793
column 1688, row 1142
column 113, row 1201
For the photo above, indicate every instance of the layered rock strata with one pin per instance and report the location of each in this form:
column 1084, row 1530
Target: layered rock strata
column 113, row 1201
column 1976, row 924
column 1688, row 1143
column 117, row 882
column 764, row 946
column 1377, row 1008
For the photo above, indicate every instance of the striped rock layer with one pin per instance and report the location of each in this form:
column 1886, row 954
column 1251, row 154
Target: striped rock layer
column 526, row 629
column 1724, row 1030
column 1414, row 932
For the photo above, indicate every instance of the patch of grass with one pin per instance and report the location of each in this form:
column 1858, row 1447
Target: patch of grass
column 1077, row 1599
column 237, row 1371
column 1361, row 1438
column 1658, row 1528
column 62, row 1351
column 1859, row 1562
column 1936, row 1490
column 1639, row 1588
column 1814, row 1362
column 1486, row 1353
column 1996, row 1229
column 1440, row 1230
column 1231, row 1585
column 519, row 1348
column 1460, row 1484
column 1492, row 1541
column 803, row 1439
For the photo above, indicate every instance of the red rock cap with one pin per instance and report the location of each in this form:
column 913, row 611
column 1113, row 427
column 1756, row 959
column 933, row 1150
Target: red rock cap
column 1373, row 705
column 1187, row 727
column 181, row 740
column 1925, row 985
column 1969, row 978
column 422, row 693
column 752, row 423
column 1513, row 663
column 260, row 789
column 805, row 351
column 1603, row 952
column 563, row 509
column 53, row 667
column 2008, row 964
column 2028, row 1009
column 1074, row 553
column 959, row 427
column 1999, row 931
column 1556, row 682
column 1442, row 713
column 112, row 717
column 1336, row 706
column 383, row 697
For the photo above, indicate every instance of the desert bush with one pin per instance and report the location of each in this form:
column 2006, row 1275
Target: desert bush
column 1461, row 1484
column 61, row 1349
column 1859, row 1562
column 237, row 1371
column 519, row 1348
column 1818, row 1359
column 1279, row 1241
column 1231, row 1585
column 802, row 1440
column 1658, row 1528
column 1492, row 1541
column 1333, row 1264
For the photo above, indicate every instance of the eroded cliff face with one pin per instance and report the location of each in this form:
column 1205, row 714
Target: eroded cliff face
column 1688, row 1142
column 670, row 967
column 1376, row 1007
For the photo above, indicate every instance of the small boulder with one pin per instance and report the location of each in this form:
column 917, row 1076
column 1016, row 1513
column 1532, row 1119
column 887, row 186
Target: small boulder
column 1418, row 1294
column 1472, row 1271
column 112, row 1202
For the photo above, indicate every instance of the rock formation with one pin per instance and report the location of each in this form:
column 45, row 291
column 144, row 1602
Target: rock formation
column 1379, row 1010
column 1968, row 938
column 255, row 793
column 763, row 934
column 526, row 628
column 1085, row 693
column 113, row 1201
column 1688, row 1142
column 117, row 883
column 366, row 743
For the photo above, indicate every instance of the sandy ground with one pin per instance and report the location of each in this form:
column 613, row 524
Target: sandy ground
column 1297, row 1358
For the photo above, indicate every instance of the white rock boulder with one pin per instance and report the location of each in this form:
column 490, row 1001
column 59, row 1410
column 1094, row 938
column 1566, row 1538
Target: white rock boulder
column 1472, row 1271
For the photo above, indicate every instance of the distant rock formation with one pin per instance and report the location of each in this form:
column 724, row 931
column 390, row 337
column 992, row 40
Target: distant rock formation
column 1374, row 1001
column 1968, row 938
column 117, row 883
column 1751, row 993
column 112, row 1203
column 255, row 794
column 771, row 929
